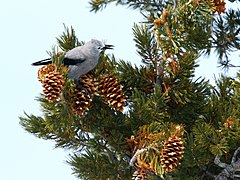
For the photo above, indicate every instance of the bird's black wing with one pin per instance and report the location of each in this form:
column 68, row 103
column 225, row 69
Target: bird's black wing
column 68, row 61
column 42, row 62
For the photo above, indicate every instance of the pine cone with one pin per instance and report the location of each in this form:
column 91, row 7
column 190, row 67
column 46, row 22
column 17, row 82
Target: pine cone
column 172, row 153
column 52, row 83
column 82, row 96
column 80, row 101
column 44, row 70
column 88, row 84
column 217, row 6
column 139, row 176
column 112, row 91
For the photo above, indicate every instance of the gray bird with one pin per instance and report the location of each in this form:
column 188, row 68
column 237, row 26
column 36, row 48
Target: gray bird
column 80, row 60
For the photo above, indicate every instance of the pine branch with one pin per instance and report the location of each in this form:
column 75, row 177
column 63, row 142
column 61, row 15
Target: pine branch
column 133, row 77
column 146, row 45
column 68, row 39
column 141, row 5
column 96, row 165
column 97, row 5
column 225, row 36
column 35, row 125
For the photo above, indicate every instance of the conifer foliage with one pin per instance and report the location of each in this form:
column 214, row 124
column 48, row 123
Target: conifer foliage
column 157, row 120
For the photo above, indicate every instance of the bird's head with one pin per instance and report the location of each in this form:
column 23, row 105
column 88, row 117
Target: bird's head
column 100, row 46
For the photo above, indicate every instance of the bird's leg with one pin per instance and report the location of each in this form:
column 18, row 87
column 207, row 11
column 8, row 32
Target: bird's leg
column 76, row 81
column 79, row 86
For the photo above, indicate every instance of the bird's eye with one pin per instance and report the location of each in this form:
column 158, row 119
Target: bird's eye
column 99, row 47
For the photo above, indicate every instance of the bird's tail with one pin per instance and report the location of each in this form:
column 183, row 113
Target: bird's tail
column 42, row 62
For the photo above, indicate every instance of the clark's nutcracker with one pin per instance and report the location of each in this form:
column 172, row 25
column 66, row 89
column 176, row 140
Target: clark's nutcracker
column 81, row 59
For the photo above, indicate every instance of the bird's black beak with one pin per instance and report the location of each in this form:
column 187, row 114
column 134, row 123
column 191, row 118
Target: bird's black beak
column 107, row 46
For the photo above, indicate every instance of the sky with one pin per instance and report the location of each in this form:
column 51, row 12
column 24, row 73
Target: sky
column 29, row 29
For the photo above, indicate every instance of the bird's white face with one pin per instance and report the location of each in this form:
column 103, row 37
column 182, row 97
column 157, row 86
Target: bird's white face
column 97, row 44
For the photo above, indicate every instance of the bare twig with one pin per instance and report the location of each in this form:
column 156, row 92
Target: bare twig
column 234, row 158
column 229, row 169
column 138, row 152
column 219, row 163
column 209, row 174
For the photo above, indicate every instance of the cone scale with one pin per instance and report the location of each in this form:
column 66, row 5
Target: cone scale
column 139, row 176
column 44, row 70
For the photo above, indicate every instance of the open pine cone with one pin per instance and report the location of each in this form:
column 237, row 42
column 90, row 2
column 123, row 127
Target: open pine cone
column 80, row 101
column 111, row 89
column 52, row 83
column 172, row 153
column 44, row 70
column 82, row 96
column 87, row 82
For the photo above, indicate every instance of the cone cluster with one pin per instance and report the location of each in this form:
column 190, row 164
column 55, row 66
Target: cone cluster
column 52, row 83
column 139, row 176
column 82, row 96
column 111, row 89
column 172, row 153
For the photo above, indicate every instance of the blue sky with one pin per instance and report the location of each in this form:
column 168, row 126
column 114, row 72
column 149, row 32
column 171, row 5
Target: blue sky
column 29, row 29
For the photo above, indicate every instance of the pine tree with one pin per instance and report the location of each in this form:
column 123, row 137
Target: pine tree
column 157, row 120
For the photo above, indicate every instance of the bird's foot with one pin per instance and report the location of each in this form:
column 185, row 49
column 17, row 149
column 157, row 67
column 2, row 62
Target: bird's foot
column 80, row 87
